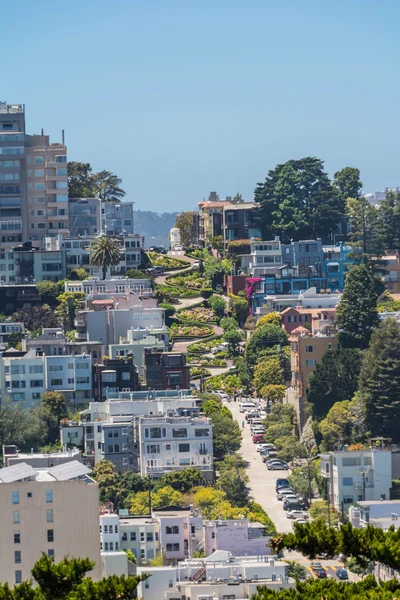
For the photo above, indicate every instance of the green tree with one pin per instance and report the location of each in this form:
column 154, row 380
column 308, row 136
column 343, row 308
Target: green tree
column 233, row 337
column 217, row 305
column 69, row 303
column 290, row 448
column 347, row 182
column 134, row 274
column 268, row 371
column 273, row 318
column 186, row 223
column 52, row 409
column 164, row 496
column 227, row 435
column 297, row 201
column 20, row 426
column 80, row 180
column 299, row 479
column 215, row 270
column 233, row 480
column 335, row 379
column 48, row 292
column 78, row 274
column 388, row 228
column 296, row 570
column 240, row 308
column 357, row 315
column 264, row 340
column 105, row 252
column 344, row 424
column 364, row 224
column 217, row 242
column 36, row 317
column 319, row 512
column 108, row 187
column 273, row 393
column 183, row 481
column 380, row 381
column 229, row 323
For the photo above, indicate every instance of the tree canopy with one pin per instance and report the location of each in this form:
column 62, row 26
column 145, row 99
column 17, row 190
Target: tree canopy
column 347, row 182
column 263, row 340
column 297, row 201
column 83, row 183
column 186, row 223
column 356, row 314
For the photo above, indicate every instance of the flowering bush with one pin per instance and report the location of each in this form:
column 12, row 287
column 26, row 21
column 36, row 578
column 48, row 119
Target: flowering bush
column 199, row 313
column 168, row 262
column 206, row 361
column 196, row 372
column 195, row 331
column 193, row 280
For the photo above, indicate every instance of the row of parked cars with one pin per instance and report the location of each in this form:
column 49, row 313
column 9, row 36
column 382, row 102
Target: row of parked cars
column 293, row 505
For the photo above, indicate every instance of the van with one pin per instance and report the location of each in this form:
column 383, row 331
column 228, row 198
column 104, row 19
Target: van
column 244, row 406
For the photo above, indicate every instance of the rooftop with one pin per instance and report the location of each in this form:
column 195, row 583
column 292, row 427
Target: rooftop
column 65, row 472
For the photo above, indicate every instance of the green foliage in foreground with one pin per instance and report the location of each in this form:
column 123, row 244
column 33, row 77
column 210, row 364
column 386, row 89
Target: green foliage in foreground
column 329, row 589
column 316, row 538
column 66, row 581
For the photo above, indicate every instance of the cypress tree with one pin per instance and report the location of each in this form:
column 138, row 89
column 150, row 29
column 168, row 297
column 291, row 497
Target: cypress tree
column 380, row 381
column 356, row 315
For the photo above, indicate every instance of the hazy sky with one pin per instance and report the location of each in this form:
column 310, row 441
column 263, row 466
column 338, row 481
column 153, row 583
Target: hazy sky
column 181, row 97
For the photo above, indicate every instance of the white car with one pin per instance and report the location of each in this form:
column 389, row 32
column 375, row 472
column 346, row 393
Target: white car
column 297, row 514
column 178, row 248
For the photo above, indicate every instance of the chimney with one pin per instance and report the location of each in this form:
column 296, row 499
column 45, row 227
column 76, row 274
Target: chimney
column 42, row 131
column 63, row 137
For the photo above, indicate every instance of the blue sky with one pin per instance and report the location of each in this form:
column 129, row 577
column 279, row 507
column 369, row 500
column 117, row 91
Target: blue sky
column 181, row 97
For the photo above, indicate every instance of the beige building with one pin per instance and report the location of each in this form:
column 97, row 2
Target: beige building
column 52, row 510
column 47, row 187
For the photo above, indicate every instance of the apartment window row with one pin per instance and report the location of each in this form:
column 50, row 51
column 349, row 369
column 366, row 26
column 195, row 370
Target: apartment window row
column 20, row 369
column 109, row 546
column 6, row 164
column 34, row 383
column 172, row 529
column 109, row 529
column 173, row 547
column 149, row 536
column 15, row 499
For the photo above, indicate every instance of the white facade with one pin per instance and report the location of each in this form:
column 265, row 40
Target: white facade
column 8, row 328
column 141, row 536
column 114, row 285
column 174, row 237
column 207, row 579
column 171, row 443
column 108, row 326
column 357, row 476
column 238, row 536
column 379, row 513
column 309, row 299
column 25, row 376
column 135, row 343
column 109, row 532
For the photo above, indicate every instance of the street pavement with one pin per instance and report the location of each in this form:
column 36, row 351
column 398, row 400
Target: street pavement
column 262, row 481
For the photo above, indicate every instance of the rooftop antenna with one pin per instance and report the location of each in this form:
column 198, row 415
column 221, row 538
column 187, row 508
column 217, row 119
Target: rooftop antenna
column 63, row 137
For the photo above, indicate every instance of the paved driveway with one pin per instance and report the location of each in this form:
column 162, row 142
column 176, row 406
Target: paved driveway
column 262, row 481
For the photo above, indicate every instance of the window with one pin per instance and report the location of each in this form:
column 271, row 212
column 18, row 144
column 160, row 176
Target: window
column 126, row 376
column 50, row 535
column 149, row 537
column 111, row 545
column 175, row 547
column 172, row 529
column 311, row 362
column 82, row 365
column 17, row 369
column 36, row 369
column 105, row 528
column 347, row 499
column 367, row 460
column 50, row 553
column 179, row 433
column 56, row 368
column 18, row 576
column 347, row 481
column 351, row 461
column 17, row 537
column 17, row 557
column 124, row 537
column 133, row 536
column 39, row 160
column 56, row 381
column 142, row 553
column 201, row 433
column 309, row 348
column 106, row 546
column 184, row 447
column 16, row 518
column 116, row 529
column 153, row 449
column 184, row 461
column 169, row 547
column 61, row 171
column 142, row 536
column 82, row 380
column 61, row 158
column 39, row 172
column 36, row 383
column 15, row 499
column 29, row 494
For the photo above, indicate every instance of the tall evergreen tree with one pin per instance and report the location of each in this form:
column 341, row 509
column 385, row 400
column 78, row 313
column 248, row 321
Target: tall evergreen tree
column 364, row 219
column 388, row 227
column 357, row 315
column 347, row 182
column 380, row 381
column 335, row 379
column 297, row 200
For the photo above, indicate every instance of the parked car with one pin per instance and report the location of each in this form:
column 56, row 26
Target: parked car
column 342, row 574
column 270, row 457
column 315, row 565
column 257, row 438
column 246, row 406
column 321, row 574
column 283, row 492
column 297, row 514
column 178, row 247
column 290, row 496
column 277, row 466
column 281, row 482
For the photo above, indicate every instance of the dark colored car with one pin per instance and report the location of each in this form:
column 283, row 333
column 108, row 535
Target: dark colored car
column 321, row 573
column 342, row 574
column 281, row 482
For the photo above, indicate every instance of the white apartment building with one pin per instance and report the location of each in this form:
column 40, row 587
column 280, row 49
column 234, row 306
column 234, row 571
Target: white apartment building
column 52, row 510
column 109, row 532
column 112, row 286
column 217, row 577
column 39, row 460
column 109, row 326
column 25, row 376
column 172, row 443
column 309, row 299
column 141, row 535
column 357, row 476
column 181, row 532
column 379, row 513
column 237, row 536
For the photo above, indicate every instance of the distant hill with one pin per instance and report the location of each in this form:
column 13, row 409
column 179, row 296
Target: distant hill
column 154, row 225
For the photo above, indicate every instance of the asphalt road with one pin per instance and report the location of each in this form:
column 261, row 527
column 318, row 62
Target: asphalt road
column 262, row 481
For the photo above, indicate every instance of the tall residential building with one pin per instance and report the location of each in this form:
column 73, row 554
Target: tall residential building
column 12, row 174
column 232, row 220
column 117, row 218
column 52, row 510
column 33, row 181
column 47, row 187
column 84, row 216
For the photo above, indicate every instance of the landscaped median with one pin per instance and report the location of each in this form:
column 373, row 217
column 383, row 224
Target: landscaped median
column 204, row 347
column 168, row 263
column 196, row 314
column 182, row 332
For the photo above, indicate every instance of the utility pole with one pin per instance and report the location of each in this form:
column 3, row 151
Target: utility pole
column 363, row 484
column 149, row 489
column 328, row 498
column 309, row 480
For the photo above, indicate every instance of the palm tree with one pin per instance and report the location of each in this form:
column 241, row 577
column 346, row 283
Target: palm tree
column 105, row 252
